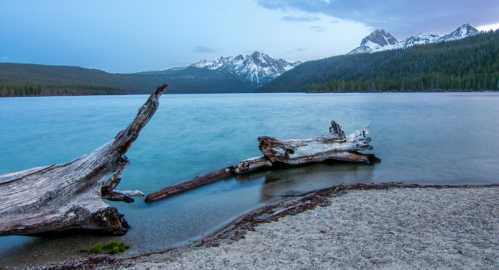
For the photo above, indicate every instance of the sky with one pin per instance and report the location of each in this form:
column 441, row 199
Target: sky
column 131, row 35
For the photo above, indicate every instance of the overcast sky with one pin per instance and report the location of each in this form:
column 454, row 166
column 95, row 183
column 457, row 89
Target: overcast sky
column 129, row 36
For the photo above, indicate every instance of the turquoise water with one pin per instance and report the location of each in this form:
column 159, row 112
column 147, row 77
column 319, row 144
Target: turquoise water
column 446, row 138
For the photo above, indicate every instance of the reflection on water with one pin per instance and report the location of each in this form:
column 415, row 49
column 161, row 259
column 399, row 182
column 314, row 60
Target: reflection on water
column 299, row 180
column 421, row 138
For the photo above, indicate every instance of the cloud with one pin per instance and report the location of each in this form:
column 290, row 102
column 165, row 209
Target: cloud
column 317, row 28
column 203, row 49
column 300, row 19
column 489, row 27
column 399, row 16
column 300, row 49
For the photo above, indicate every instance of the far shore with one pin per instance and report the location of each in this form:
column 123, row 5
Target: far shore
column 179, row 92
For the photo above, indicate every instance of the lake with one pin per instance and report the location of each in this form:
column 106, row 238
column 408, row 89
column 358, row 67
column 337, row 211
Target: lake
column 440, row 138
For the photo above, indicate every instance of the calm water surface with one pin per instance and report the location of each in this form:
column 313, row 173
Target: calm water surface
column 449, row 138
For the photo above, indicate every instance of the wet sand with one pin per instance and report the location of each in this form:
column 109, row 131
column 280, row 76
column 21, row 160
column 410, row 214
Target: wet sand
column 394, row 228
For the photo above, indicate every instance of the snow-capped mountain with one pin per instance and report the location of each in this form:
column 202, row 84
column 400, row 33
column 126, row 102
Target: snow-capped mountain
column 376, row 41
column 381, row 40
column 258, row 68
column 463, row 31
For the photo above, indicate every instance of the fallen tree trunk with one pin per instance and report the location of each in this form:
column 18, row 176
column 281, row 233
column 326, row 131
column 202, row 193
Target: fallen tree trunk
column 69, row 197
column 335, row 146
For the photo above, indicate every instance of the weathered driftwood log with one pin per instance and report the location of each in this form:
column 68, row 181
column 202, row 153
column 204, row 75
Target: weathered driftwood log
column 335, row 146
column 69, row 197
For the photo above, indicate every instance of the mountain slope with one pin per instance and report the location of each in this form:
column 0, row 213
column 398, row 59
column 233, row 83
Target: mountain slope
column 469, row 64
column 35, row 80
column 194, row 80
column 380, row 40
column 29, row 79
column 256, row 68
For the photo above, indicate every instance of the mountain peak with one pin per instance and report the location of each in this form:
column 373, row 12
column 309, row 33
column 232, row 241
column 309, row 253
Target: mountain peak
column 379, row 37
column 469, row 27
column 261, row 58
column 257, row 54
column 375, row 41
column 463, row 31
column 257, row 68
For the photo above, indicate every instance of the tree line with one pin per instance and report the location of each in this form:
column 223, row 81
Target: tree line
column 24, row 90
column 425, row 82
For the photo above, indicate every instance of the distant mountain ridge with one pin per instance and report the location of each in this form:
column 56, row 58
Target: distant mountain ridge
column 461, row 64
column 380, row 40
column 257, row 68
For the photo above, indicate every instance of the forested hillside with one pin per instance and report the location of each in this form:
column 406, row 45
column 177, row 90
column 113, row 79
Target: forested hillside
column 44, row 80
column 34, row 80
column 468, row 64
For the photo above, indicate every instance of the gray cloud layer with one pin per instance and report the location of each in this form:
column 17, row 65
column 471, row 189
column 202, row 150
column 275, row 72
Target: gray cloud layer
column 403, row 17
column 300, row 19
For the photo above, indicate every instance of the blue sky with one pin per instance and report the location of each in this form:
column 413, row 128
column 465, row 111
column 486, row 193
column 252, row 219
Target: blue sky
column 129, row 36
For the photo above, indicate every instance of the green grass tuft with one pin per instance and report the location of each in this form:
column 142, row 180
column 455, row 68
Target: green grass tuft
column 113, row 248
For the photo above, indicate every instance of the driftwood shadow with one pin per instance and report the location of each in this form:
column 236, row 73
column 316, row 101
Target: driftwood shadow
column 297, row 181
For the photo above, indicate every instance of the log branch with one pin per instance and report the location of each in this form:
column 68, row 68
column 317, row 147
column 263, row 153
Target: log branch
column 69, row 197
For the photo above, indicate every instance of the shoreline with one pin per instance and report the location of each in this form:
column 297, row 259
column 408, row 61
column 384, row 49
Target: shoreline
column 267, row 215
column 434, row 91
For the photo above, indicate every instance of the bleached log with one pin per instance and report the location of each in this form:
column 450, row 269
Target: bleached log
column 70, row 197
column 334, row 146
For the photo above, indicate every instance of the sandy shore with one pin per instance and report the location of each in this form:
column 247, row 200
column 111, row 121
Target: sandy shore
column 415, row 228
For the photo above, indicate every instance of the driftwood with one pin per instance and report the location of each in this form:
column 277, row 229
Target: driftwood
column 335, row 146
column 69, row 197
column 244, row 167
